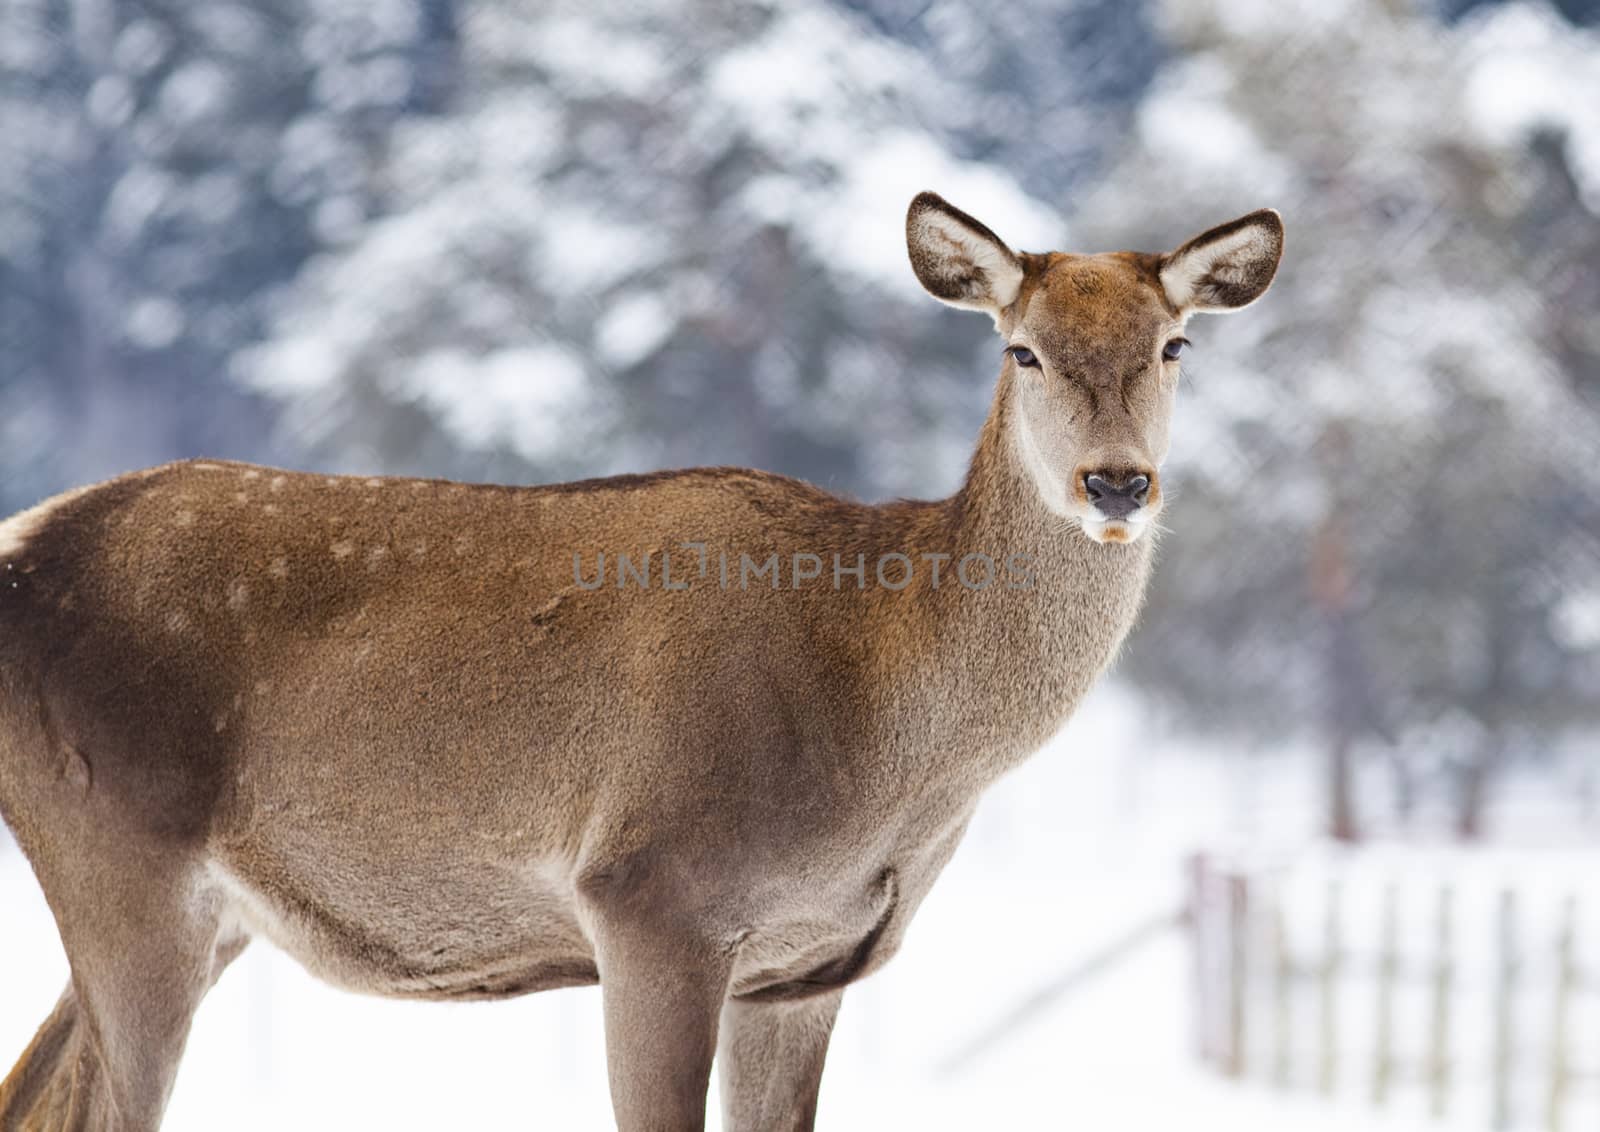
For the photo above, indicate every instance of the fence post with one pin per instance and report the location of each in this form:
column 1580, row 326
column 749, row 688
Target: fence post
column 1388, row 962
column 1331, row 945
column 1201, row 937
column 1505, row 991
column 1282, row 994
column 1566, row 981
column 1238, row 890
column 1443, row 981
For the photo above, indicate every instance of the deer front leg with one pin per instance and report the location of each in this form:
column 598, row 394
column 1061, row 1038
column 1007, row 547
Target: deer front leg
column 662, row 982
column 770, row 1066
column 661, row 1001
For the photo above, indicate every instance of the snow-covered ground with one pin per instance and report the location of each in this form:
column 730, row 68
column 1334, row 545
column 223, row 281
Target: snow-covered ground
column 1071, row 852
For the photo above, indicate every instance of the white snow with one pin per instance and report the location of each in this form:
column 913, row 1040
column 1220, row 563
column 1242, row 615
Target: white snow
column 529, row 398
column 1578, row 615
column 197, row 91
column 135, row 200
column 141, row 47
column 584, row 56
column 1532, row 70
column 1186, row 119
column 154, row 322
column 845, row 221
column 632, row 327
column 583, row 250
column 823, row 92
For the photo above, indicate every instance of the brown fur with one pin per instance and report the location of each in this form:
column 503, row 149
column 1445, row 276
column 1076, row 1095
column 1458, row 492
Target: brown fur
column 382, row 723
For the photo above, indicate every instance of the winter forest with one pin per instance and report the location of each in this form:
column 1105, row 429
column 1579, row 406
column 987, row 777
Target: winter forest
column 531, row 240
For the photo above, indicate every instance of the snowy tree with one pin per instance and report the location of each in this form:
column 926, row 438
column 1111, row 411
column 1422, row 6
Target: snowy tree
column 167, row 165
column 1384, row 510
column 654, row 238
column 1035, row 87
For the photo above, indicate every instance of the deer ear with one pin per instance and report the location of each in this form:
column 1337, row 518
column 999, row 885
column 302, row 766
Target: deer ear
column 957, row 259
column 1228, row 267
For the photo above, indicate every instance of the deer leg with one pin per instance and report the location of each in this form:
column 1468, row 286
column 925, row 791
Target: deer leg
column 770, row 1062
column 662, row 992
column 57, row 1066
column 144, row 945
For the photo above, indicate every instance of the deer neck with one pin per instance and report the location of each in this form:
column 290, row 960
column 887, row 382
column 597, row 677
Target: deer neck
column 1003, row 667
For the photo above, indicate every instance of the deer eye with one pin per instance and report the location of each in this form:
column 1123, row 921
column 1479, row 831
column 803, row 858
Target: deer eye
column 1173, row 349
column 1023, row 356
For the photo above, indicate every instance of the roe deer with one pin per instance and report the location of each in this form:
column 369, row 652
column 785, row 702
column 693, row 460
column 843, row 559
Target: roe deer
column 705, row 737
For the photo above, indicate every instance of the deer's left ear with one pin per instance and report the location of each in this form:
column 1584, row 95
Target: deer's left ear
column 957, row 259
column 1228, row 267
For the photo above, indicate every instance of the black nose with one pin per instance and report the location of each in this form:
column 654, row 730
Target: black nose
column 1116, row 498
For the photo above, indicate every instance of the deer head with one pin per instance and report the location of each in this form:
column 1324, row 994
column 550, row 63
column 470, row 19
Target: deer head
column 1092, row 347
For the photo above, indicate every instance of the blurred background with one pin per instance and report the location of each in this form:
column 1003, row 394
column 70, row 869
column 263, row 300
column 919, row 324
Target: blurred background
column 1324, row 853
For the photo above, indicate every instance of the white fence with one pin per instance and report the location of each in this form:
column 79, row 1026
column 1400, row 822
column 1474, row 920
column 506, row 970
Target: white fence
column 1464, row 985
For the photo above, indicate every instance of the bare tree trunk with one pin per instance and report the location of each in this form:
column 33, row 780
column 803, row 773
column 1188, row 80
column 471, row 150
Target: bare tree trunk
column 1330, row 587
column 1476, row 778
column 1405, row 784
column 1472, row 797
column 1341, row 792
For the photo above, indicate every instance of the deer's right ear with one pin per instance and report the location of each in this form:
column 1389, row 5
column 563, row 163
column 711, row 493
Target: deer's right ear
column 957, row 259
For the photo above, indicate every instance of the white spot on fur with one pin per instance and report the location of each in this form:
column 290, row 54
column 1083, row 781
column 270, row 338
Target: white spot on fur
column 241, row 497
column 252, row 474
column 271, row 508
column 184, row 519
column 374, row 483
column 279, row 568
column 177, row 622
column 344, row 548
column 376, row 557
column 420, row 550
column 238, row 596
column 278, row 482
